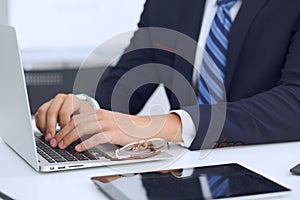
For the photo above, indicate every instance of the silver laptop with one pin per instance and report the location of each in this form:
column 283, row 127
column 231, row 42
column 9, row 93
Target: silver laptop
column 16, row 126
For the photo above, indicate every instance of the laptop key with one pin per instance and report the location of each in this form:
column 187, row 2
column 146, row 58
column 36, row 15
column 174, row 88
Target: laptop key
column 80, row 156
column 68, row 154
column 57, row 159
column 89, row 155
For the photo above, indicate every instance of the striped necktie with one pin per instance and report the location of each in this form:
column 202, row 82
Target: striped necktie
column 219, row 186
column 211, row 82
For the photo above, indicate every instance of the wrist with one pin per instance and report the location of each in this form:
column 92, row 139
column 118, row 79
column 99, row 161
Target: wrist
column 172, row 130
column 88, row 103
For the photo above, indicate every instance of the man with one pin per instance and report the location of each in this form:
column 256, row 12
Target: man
column 261, row 81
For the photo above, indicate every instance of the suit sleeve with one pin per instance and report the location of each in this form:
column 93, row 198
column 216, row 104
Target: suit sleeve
column 134, row 55
column 127, row 86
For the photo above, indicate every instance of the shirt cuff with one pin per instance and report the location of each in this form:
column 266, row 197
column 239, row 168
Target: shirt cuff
column 184, row 173
column 188, row 127
column 89, row 99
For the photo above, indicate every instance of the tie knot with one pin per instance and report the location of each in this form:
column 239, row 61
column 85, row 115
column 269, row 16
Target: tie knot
column 226, row 3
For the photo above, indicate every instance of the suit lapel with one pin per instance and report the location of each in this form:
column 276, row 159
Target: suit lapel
column 237, row 36
column 190, row 25
column 191, row 17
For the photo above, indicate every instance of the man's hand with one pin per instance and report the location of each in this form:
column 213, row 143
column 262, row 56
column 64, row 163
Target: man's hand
column 59, row 110
column 104, row 126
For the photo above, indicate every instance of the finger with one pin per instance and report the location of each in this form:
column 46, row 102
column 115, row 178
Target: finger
column 36, row 120
column 69, row 107
column 66, row 137
column 97, row 115
column 73, row 130
column 52, row 114
column 40, row 117
column 93, row 141
column 62, row 133
column 67, row 129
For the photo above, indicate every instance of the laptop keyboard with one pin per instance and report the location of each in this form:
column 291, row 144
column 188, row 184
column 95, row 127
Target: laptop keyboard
column 53, row 155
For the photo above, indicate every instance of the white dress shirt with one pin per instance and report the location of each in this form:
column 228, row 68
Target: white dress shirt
column 188, row 126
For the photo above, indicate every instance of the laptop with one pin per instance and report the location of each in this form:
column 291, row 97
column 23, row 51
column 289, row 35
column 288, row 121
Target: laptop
column 17, row 129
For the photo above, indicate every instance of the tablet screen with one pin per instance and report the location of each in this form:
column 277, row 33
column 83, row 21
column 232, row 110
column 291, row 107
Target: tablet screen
column 210, row 182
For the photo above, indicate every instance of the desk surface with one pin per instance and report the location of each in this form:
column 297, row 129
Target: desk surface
column 20, row 181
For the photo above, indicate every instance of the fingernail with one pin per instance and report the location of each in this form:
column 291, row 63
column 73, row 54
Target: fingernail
column 48, row 137
column 61, row 144
column 53, row 143
column 78, row 147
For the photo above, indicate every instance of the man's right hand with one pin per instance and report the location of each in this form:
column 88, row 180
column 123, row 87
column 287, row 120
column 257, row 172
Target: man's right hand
column 59, row 110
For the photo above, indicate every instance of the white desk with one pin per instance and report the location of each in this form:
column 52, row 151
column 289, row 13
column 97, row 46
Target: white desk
column 20, row 181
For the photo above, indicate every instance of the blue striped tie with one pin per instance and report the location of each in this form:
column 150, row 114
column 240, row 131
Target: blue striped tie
column 219, row 186
column 211, row 82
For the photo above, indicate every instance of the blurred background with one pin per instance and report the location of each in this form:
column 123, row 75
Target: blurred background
column 55, row 36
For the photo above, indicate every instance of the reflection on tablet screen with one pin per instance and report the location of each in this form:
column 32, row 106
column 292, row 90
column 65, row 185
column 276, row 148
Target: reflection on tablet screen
column 211, row 182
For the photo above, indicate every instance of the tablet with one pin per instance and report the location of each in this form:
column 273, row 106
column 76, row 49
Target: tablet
column 209, row 182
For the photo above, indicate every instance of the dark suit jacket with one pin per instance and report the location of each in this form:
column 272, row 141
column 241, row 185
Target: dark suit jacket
column 262, row 78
